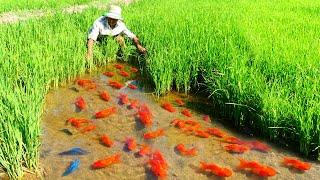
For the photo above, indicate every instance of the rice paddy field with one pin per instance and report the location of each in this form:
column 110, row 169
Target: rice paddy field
column 256, row 61
column 13, row 5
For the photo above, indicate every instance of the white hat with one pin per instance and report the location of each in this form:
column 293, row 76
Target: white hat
column 114, row 12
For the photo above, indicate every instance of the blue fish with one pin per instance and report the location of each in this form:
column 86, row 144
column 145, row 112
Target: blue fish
column 74, row 151
column 74, row 165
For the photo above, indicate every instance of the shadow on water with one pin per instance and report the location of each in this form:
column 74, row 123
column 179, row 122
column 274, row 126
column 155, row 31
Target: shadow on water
column 57, row 136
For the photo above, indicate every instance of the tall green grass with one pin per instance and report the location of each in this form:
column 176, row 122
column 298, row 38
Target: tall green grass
column 33, row 58
column 14, row 5
column 259, row 60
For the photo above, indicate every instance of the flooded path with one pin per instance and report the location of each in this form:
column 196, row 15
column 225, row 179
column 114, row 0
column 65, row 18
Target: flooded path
column 59, row 136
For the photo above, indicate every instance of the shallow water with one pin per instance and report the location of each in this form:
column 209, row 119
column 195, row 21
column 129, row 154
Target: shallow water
column 60, row 106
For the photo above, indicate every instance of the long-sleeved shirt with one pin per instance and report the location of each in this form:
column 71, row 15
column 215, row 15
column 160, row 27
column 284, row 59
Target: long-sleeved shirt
column 101, row 28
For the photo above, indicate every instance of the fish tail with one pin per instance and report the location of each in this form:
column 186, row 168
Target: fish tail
column 242, row 164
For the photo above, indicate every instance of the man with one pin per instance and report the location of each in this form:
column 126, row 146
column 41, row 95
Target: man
column 111, row 25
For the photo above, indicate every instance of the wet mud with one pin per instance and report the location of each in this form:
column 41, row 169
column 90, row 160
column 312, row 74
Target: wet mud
column 58, row 136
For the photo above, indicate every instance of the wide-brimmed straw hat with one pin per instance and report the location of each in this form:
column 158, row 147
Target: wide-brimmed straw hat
column 114, row 12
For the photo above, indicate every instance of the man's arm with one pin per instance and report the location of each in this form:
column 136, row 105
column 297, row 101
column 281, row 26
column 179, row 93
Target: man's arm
column 90, row 43
column 138, row 45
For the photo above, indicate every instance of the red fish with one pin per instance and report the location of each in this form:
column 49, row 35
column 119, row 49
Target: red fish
column 145, row 116
column 134, row 104
column 77, row 122
column 106, row 112
column 106, row 162
column 256, row 168
column 206, row 118
column 118, row 66
column 235, row 148
column 80, row 103
column 105, row 95
column 167, row 106
column 186, row 152
column 186, row 112
column 145, row 150
column 178, row 123
column 123, row 98
column 131, row 86
column 124, row 73
column 115, row 84
column 259, row 146
column 215, row 169
column 202, row 134
column 234, row 140
column 247, row 164
column 158, row 164
column 109, row 74
column 297, row 164
column 216, row 132
column 179, row 102
column 131, row 144
column 88, row 128
column 264, row 171
column 154, row 134
column 86, row 83
column 106, row 140
column 134, row 70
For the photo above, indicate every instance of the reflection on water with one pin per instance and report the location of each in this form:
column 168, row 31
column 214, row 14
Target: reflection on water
column 57, row 136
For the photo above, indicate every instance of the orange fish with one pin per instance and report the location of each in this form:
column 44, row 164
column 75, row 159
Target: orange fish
column 88, row 128
column 202, row 134
column 105, row 95
column 186, row 112
column 216, row 132
column 206, row 118
column 179, row 102
column 154, row 134
column 80, row 103
column 186, row 152
column 106, row 140
column 134, row 104
column 178, row 123
column 115, row 84
column 234, row 140
column 158, row 164
column 109, row 74
column 131, row 144
column 145, row 150
column 106, row 162
column 247, row 164
column 123, row 98
column 86, row 83
column 167, row 106
column 134, row 70
column 118, row 66
column 215, row 169
column 106, row 112
column 259, row 146
column 256, row 168
column 131, row 86
column 145, row 115
column 236, row 148
column 77, row 122
column 297, row 164
column 264, row 171
column 124, row 73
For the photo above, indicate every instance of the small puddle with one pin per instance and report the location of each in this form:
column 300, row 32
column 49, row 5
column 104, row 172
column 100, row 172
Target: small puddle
column 57, row 136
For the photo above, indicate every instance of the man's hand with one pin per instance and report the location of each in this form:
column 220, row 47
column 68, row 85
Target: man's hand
column 142, row 49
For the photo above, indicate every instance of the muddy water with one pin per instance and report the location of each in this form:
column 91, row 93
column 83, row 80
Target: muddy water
column 60, row 106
